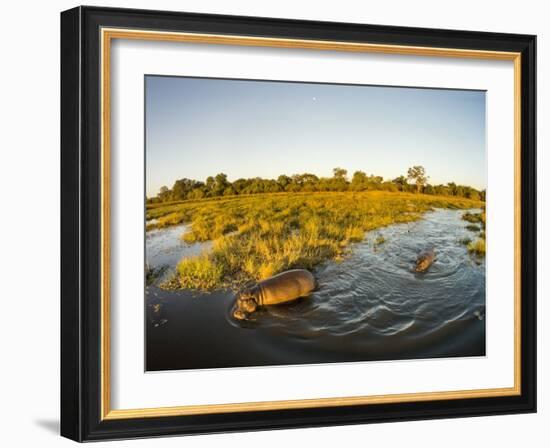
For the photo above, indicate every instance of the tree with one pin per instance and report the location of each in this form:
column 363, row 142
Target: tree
column 388, row 186
column 309, row 182
column 452, row 188
column 197, row 193
column 229, row 191
column 375, row 182
column 220, row 184
column 210, row 184
column 442, row 190
column 417, row 174
column 283, row 181
column 274, row 187
column 338, row 182
column 340, row 173
column 182, row 187
column 308, row 178
column 240, row 184
column 429, row 189
column 359, row 180
column 471, row 193
column 401, row 183
column 164, row 194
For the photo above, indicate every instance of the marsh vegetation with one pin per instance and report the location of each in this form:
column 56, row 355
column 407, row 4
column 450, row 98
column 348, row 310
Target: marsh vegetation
column 256, row 236
column 478, row 223
column 371, row 305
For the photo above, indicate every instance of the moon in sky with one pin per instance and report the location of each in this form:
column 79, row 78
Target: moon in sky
column 314, row 98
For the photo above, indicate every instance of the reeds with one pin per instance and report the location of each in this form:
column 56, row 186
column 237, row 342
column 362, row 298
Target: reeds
column 258, row 236
column 476, row 247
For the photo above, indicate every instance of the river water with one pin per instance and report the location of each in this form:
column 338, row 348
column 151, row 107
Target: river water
column 371, row 306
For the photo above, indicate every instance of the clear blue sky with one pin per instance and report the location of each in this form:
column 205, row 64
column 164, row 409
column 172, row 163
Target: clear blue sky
column 197, row 127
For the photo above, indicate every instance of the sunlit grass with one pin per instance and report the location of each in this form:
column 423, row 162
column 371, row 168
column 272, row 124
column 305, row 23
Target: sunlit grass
column 199, row 273
column 475, row 218
column 258, row 236
column 477, row 247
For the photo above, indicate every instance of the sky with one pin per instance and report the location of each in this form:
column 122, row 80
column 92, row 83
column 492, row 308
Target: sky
column 198, row 127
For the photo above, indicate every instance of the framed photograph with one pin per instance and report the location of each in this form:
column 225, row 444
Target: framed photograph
column 273, row 223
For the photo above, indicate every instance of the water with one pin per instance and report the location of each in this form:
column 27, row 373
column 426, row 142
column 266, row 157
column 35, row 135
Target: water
column 371, row 306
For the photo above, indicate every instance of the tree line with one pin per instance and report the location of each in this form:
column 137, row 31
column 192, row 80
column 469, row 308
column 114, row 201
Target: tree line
column 415, row 181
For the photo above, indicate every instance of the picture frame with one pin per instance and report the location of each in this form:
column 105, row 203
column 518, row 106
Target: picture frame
column 86, row 209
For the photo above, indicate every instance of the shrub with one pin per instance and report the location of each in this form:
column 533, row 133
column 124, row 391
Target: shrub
column 477, row 247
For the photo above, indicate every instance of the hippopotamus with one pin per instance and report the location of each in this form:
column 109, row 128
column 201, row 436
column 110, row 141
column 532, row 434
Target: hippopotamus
column 424, row 260
column 281, row 288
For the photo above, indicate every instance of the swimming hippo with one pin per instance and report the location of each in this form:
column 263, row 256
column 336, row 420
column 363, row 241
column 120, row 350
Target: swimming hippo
column 424, row 261
column 281, row 288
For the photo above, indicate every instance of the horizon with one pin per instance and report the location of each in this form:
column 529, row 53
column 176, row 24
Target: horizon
column 310, row 128
column 349, row 176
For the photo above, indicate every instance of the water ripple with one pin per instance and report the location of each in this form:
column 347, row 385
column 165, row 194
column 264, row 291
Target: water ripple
column 376, row 293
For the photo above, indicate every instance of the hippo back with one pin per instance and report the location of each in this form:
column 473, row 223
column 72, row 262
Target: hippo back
column 285, row 287
column 425, row 260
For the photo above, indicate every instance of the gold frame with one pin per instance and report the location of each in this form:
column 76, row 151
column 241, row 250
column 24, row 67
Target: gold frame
column 107, row 35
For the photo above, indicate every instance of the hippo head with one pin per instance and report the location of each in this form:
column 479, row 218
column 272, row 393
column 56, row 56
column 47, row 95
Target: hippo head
column 246, row 303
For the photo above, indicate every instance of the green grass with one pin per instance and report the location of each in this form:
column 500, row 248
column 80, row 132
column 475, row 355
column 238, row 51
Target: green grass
column 379, row 240
column 199, row 273
column 477, row 247
column 478, row 224
column 257, row 236
column 475, row 218
column 465, row 241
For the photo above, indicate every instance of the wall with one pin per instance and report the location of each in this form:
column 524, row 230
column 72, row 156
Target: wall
column 29, row 177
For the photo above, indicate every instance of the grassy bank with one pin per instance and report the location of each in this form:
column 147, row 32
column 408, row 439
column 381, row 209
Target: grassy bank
column 478, row 222
column 255, row 237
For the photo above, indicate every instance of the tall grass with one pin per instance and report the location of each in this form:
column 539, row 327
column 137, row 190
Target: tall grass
column 258, row 236
column 475, row 218
column 478, row 246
